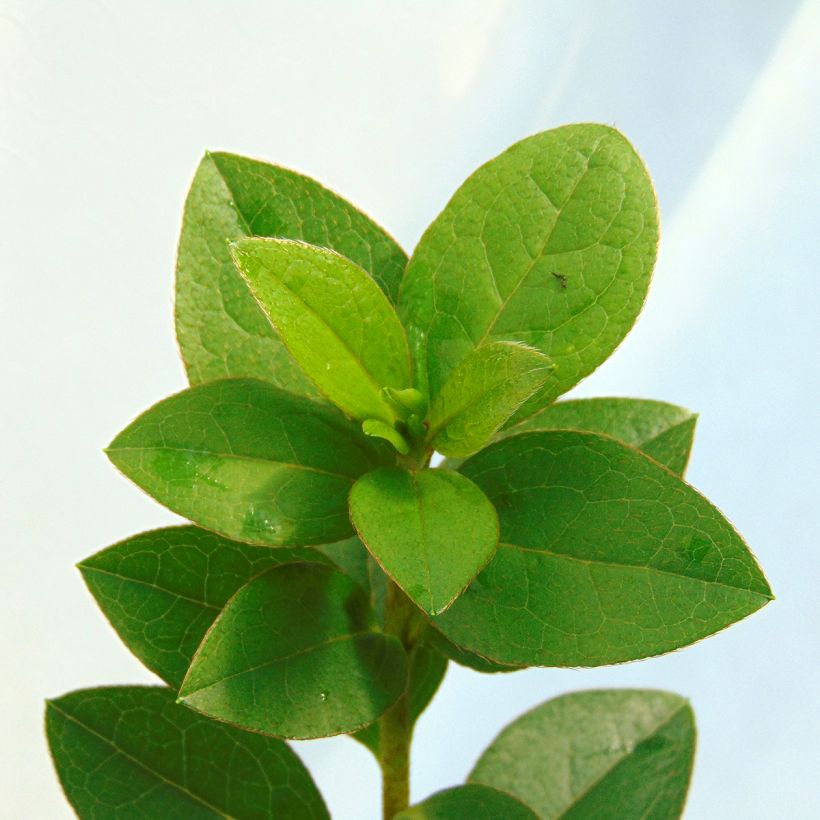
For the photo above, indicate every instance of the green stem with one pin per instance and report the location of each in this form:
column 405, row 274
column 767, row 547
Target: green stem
column 395, row 729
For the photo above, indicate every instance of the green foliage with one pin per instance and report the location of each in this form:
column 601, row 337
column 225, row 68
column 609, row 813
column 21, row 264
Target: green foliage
column 162, row 590
column 602, row 754
column 130, row 751
column 334, row 320
column 431, row 531
column 296, row 653
column 552, row 243
column 481, row 393
column 249, row 461
column 567, row 536
column 592, row 531
column 222, row 332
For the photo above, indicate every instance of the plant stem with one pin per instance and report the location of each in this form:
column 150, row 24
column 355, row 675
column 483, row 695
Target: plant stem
column 395, row 730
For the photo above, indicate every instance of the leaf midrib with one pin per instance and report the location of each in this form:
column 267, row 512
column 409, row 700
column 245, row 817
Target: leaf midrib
column 273, row 661
column 543, row 250
column 643, row 567
column 237, row 456
column 618, row 761
column 119, row 750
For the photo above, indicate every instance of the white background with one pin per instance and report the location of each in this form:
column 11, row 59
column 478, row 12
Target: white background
column 105, row 109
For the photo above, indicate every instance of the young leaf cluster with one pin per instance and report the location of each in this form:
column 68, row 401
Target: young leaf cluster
column 330, row 572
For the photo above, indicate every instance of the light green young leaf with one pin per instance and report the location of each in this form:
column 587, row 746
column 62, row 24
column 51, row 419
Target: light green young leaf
column 470, row 802
column 296, row 653
column 431, row 531
column 250, row 461
column 662, row 431
column 615, row 754
column 336, row 323
column 604, row 556
column 130, row 751
column 426, row 672
column 552, row 243
column 221, row 330
column 481, row 393
column 162, row 590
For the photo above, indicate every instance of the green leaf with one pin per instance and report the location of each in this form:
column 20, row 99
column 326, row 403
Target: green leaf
column 604, row 556
column 221, row 330
column 431, row 531
column 250, row 461
column 426, row 672
column 481, row 393
column 336, row 323
column 616, row 754
column 130, row 751
column 471, row 802
column 296, row 653
column 464, row 658
column 552, row 243
column 662, row 431
column 162, row 590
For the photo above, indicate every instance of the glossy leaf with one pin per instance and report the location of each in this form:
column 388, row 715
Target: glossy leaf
column 162, row 590
column 131, row 751
column 481, row 393
column 431, row 531
column 621, row 753
column 296, row 653
column 247, row 460
column 334, row 319
column 427, row 668
column 662, row 431
column 604, row 556
column 221, row 330
column 552, row 243
column 470, row 802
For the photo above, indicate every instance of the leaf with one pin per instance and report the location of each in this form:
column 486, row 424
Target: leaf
column 471, row 802
column 162, row 590
column 296, row 653
column 465, row 658
column 426, row 672
column 431, row 531
column 221, row 330
column 249, row 461
column 481, row 393
column 619, row 753
column 552, row 243
column 130, row 751
column 336, row 323
column 662, row 431
column 604, row 556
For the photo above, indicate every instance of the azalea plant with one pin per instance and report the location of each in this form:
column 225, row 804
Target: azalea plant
column 380, row 481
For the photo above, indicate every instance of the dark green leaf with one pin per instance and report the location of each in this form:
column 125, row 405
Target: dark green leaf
column 663, row 431
column 221, row 330
column 431, row 531
column 130, row 751
column 336, row 323
column 604, row 556
column 161, row 590
column 247, row 460
column 465, row 658
column 296, row 653
column 485, row 389
column 617, row 754
column 426, row 672
column 552, row 243
column 471, row 802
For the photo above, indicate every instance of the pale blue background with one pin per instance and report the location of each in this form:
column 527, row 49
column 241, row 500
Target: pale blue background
column 105, row 108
